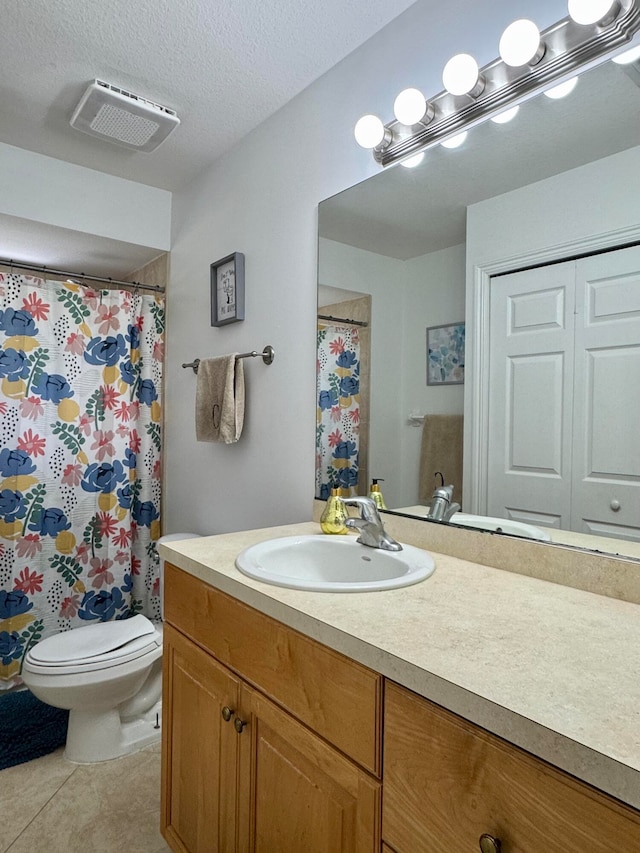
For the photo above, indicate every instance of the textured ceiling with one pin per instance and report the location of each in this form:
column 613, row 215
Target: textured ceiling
column 224, row 66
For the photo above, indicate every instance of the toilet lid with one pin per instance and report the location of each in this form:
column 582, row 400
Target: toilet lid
column 94, row 646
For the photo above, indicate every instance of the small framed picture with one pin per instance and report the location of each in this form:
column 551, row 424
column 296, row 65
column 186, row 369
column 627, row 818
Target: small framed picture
column 227, row 290
column 445, row 354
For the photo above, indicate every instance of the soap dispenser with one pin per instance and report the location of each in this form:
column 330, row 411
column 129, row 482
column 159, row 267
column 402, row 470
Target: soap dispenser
column 375, row 494
column 334, row 515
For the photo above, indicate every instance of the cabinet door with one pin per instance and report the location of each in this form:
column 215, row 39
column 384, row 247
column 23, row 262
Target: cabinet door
column 447, row 782
column 199, row 750
column 297, row 793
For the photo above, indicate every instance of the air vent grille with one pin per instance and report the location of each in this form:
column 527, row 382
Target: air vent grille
column 135, row 97
column 116, row 115
column 120, row 124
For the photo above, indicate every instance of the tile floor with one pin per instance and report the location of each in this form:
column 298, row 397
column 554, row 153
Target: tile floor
column 54, row 806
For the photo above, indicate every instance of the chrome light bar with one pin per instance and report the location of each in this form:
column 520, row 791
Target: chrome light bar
column 567, row 48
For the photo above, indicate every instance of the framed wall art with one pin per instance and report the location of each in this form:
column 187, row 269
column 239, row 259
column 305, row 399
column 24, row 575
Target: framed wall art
column 227, row 290
column 445, row 354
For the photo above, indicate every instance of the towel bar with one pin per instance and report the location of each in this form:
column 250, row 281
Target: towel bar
column 267, row 355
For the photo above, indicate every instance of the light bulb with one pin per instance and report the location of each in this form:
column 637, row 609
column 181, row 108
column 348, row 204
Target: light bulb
column 412, row 162
column 520, row 44
column 628, row 56
column 593, row 11
column 562, row 90
column 460, row 75
column 410, row 107
column 455, row 141
column 507, row 115
column 369, row 131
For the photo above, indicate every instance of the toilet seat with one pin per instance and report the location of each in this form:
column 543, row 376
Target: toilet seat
column 95, row 647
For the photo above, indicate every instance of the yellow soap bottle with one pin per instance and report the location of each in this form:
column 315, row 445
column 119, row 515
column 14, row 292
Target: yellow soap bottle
column 334, row 515
column 376, row 495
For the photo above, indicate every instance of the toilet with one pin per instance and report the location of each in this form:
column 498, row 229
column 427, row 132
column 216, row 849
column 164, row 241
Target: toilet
column 109, row 676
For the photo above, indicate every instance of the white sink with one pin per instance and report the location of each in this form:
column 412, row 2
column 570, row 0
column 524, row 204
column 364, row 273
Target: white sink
column 484, row 522
column 333, row 564
column 500, row 525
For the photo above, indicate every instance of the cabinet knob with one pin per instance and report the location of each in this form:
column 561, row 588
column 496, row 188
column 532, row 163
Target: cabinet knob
column 489, row 844
column 227, row 713
column 239, row 724
column 615, row 505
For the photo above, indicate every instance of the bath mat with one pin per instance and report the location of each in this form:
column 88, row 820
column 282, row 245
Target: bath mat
column 29, row 728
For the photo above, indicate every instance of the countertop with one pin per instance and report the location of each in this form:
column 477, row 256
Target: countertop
column 550, row 668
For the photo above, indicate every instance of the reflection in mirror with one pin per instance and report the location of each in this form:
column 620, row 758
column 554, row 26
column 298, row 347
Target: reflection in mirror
column 519, row 232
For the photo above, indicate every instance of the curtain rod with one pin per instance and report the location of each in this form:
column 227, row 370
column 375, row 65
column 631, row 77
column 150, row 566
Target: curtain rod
column 8, row 262
column 343, row 320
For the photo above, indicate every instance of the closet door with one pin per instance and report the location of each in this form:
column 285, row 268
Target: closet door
column 530, row 408
column 606, row 452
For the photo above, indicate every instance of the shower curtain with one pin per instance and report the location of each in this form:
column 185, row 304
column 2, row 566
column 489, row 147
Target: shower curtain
column 80, row 441
column 338, row 409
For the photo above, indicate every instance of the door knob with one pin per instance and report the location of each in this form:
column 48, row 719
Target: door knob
column 239, row 724
column 489, row 844
column 615, row 505
column 227, row 713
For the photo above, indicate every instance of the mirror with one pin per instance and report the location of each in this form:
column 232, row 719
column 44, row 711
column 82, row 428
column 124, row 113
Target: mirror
column 402, row 246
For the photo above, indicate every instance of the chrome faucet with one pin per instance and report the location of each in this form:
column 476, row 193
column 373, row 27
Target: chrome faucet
column 441, row 508
column 372, row 532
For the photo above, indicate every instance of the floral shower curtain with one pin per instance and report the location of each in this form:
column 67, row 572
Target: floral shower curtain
column 338, row 409
column 80, row 433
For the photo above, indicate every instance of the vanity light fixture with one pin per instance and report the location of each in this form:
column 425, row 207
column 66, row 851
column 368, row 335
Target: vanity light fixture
column 627, row 57
column 370, row 132
column 562, row 90
column 455, row 141
column 506, row 116
column 530, row 62
column 461, row 76
column 586, row 12
column 410, row 107
column 521, row 44
column 412, row 162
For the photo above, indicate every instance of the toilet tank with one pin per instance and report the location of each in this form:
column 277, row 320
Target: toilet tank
column 170, row 537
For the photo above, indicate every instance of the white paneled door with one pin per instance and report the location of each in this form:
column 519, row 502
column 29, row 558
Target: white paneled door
column 606, row 448
column 564, row 412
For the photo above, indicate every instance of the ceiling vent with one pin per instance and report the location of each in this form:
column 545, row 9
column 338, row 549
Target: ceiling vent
column 115, row 115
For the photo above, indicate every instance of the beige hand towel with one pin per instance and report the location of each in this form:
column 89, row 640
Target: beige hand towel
column 220, row 399
column 441, row 450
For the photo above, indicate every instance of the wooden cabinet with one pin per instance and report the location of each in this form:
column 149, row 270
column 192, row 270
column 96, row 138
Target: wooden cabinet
column 272, row 743
column 334, row 696
column 447, row 782
column 297, row 792
column 243, row 771
column 201, row 750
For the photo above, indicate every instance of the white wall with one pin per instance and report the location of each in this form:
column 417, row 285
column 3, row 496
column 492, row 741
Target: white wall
column 585, row 203
column 435, row 296
column 261, row 199
column 407, row 296
column 48, row 191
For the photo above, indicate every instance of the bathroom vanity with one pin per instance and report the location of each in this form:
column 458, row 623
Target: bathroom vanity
column 270, row 738
column 404, row 721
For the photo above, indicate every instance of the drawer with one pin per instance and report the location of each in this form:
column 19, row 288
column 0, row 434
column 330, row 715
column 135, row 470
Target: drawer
column 333, row 695
column 446, row 782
